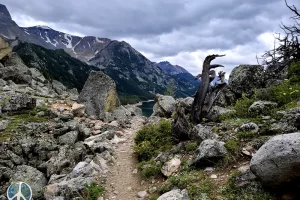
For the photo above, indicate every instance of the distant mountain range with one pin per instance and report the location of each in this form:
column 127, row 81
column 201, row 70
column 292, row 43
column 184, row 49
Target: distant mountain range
column 133, row 73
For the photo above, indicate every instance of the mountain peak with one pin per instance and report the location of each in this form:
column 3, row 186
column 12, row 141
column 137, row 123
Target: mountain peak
column 4, row 11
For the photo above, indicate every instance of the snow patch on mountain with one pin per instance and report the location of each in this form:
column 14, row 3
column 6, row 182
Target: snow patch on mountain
column 99, row 40
column 69, row 41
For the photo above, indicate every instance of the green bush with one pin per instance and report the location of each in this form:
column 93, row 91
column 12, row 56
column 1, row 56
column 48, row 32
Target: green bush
column 92, row 191
column 241, row 107
column 153, row 139
column 149, row 169
column 282, row 94
column 294, row 72
column 191, row 146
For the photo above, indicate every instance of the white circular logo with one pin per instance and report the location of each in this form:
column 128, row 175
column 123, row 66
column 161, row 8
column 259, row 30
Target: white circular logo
column 19, row 191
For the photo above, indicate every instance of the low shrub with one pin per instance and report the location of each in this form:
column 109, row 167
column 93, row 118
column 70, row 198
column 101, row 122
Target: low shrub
column 153, row 139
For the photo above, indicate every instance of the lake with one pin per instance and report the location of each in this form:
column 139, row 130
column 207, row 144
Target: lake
column 147, row 107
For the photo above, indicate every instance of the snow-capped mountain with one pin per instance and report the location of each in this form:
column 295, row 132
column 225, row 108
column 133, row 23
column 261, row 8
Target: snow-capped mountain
column 133, row 72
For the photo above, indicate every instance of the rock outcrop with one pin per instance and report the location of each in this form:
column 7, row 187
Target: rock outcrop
column 181, row 126
column 99, row 95
column 277, row 162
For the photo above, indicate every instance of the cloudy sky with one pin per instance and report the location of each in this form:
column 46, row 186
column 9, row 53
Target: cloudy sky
column 180, row 31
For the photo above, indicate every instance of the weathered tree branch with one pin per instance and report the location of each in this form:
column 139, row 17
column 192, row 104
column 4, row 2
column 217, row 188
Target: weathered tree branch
column 204, row 87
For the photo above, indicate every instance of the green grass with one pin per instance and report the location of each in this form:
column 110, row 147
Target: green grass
column 153, row 170
column 194, row 181
column 254, row 191
column 92, row 191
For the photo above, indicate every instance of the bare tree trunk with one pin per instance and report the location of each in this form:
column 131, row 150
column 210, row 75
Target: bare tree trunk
column 203, row 89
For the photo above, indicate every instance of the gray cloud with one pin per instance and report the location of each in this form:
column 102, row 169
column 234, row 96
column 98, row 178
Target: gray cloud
column 165, row 28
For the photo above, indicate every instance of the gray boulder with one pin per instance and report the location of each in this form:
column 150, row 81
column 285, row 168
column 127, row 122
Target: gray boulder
column 249, row 127
column 200, row 133
column 226, row 97
column 209, row 152
column 164, row 106
column 99, row 94
column 175, row 195
column 13, row 102
column 31, row 176
column 3, row 125
column 15, row 70
column 67, row 189
column 246, row 78
column 262, row 107
column 68, row 138
column 58, row 87
column 289, row 122
column 277, row 161
column 216, row 112
column 64, row 160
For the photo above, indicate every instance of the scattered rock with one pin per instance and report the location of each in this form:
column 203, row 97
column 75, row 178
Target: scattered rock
column 3, row 125
column 216, row 112
column 213, row 176
column 249, row 127
column 200, row 133
column 5, row 49
column 142, row 194
column 175, row 195
column 170, row 167
column 78, row 110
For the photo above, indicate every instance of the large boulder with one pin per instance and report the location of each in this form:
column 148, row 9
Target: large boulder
column 277, row 162
column 31, row 176
column 246, row 78
column 15, row 70
column 5, row 49
column 209, row 152
column 99, row 94
column 181, row 125
column 175, row 195
column 289, row 122
column 164, row 106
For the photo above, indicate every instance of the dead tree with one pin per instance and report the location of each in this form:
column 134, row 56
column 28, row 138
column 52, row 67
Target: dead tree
column 289, row 46
column 201, row 98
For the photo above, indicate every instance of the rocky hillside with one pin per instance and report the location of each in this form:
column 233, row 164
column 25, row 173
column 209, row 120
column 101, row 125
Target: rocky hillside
column 133, row 72
column 48, row 140
column 246, row 148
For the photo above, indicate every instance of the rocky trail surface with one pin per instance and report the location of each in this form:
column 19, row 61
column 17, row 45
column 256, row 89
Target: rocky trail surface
column 123, row 181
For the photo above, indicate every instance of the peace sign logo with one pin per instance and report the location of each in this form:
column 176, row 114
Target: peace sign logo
column 19, row 191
